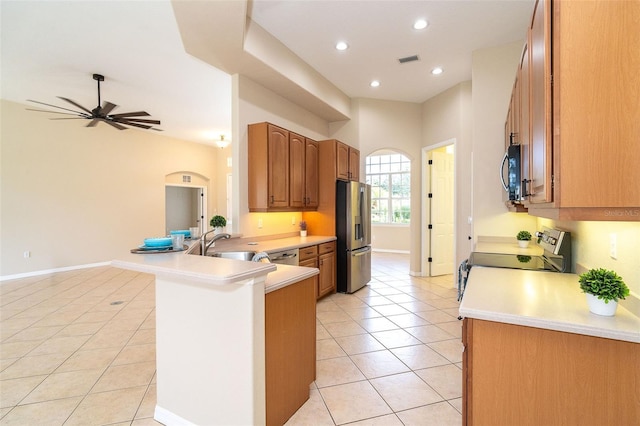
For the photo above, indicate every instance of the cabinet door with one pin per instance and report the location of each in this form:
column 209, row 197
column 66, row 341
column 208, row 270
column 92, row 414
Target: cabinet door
column 327, row 277
column 524, row 127
column 297, row 147
column 540, row 92
column 278, row 167
column 311, row 176
column 354, row 164
column 342, row 161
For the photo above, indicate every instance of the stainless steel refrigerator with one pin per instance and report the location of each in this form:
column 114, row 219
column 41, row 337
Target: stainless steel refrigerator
column 353, row 231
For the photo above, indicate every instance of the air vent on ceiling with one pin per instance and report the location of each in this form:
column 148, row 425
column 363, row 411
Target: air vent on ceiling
column 409, row 59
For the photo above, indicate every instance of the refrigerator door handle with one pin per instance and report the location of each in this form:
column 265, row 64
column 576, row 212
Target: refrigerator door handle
column 361, row 252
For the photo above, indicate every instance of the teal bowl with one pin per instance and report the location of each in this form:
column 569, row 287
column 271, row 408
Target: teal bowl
column 185, row 232
column 157, row 242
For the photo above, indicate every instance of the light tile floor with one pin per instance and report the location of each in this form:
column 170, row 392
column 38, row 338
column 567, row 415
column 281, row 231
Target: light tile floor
column 78, row 348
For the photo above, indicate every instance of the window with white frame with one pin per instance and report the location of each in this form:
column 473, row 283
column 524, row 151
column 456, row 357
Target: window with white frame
column 389, row 175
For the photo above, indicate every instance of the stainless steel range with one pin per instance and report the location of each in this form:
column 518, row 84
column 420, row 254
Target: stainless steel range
column 555, row 258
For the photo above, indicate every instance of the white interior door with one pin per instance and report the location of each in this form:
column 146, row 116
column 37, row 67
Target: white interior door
column 442, row 216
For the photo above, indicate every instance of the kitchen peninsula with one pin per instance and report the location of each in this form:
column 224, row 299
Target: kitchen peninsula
column 534, row 354
column 212, row 351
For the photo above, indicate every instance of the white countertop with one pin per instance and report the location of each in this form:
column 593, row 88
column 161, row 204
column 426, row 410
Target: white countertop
column 270, row 245
column 220, row 271
column 506, row 245
column 539, row 299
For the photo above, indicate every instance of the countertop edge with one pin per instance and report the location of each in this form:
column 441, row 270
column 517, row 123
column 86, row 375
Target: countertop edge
column 183, row 273
column 286, row 275
column 549, row 325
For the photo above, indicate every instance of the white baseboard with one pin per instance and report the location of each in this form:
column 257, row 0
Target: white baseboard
column 51, row 271
column 166, row 417
column 390, row 251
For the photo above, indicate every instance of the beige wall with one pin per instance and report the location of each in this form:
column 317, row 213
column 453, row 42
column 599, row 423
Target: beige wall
column 494, row 72
column 253, row 104
column 393, row 125
column 590, row 246
column 72, row 195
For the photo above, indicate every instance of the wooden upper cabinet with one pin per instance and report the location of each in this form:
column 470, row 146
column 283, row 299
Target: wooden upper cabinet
column 297, row 147
column 283, row 170
column 354, row 164
column 524, row 126
column 268, row 164
column 342, row 160
column 347, row 161
column 311, row 179
column 584, row 118
column 540, row 104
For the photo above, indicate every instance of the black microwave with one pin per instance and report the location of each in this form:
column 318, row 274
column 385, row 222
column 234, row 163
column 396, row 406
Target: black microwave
column 513, row 184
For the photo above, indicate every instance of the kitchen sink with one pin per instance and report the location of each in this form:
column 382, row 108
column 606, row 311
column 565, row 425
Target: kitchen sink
column 239, row 255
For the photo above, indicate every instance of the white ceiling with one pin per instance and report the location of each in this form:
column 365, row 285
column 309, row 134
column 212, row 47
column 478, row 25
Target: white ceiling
column 51, row 48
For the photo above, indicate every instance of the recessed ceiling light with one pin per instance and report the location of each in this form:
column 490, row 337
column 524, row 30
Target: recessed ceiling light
column 437, row 71
column 420, row 24
column 341, row 45
column 374, row 83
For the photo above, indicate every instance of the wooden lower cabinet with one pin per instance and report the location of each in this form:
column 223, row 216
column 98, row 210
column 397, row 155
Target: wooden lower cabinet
column 290, row 348
column 517, row 375
column 323, row 257
column 327, row 266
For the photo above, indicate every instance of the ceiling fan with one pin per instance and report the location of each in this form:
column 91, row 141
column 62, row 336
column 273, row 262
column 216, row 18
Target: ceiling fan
column 102, row 113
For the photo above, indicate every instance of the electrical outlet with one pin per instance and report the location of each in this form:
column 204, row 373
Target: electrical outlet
column 260, row 223
column 26, row 254
column 613, row 246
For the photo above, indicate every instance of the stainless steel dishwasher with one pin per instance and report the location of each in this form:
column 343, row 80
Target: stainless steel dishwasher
column 285, row 257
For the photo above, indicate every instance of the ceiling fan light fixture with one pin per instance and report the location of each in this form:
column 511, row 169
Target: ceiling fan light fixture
column 222, row 143
column 420, row 24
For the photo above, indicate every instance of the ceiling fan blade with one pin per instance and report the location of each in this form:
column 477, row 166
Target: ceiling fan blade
column 93, row 123
column 107, row 107
column 116, row 125
column 142, row 126
column 136, row 120
column 70, row 118
column 56, row 106
column 74, row 103
column 56, row 112
column 131, row 114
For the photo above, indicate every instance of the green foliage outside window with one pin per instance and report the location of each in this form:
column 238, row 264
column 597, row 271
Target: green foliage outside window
column 390, row 178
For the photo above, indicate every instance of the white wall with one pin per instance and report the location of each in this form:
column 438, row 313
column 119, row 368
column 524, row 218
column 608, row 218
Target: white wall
column 445, row 117
column 493, row 72
column 73, row 195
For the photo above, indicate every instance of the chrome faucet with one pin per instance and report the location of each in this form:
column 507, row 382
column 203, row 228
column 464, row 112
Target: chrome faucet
column 204, row 245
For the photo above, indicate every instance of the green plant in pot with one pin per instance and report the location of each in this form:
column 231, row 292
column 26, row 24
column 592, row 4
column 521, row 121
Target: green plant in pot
column 218, row 222
column 523, row 238
column 603, row 289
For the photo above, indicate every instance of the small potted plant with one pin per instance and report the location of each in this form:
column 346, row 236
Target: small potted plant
column 523, row 238
column 603, row 289
column 303, row 228
column 218, row 222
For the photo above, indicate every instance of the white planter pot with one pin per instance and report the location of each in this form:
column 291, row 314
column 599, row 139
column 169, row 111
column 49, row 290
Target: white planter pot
column 598, row 306
column 303, row 233
column 523, row 243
